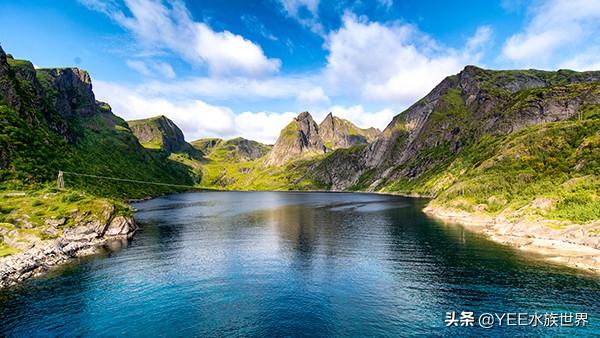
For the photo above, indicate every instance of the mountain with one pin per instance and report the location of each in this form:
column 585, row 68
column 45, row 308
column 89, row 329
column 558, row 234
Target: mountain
column 51, row 121
column 161, row 133
column 487, row 140
column 299, row 139
column 481, row 139
column 340, row 133
column 235, row 150
column 205, row 145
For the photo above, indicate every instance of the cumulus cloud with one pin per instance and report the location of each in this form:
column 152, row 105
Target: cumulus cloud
column 393, row 62
column 152, row 69
column 199, row 119
column 558, row 30
column 196, row 118
column 170, row 26
column 313, row 96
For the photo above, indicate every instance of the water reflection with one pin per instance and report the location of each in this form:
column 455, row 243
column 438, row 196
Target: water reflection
column 292, row 264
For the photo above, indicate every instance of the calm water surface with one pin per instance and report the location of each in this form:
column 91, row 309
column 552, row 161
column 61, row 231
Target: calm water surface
column 294, row 264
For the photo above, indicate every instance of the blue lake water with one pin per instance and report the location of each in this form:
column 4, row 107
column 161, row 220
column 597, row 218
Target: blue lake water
column 264, row 264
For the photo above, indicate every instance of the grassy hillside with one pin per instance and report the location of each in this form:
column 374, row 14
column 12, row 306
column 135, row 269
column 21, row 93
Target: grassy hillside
column 50, row 121
column 551, row 170
column 238, row 164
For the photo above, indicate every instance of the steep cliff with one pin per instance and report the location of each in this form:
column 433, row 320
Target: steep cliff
column 461, row 111
column 50, row 121
column 161, row 133
column 338, row 133
column 299, row 139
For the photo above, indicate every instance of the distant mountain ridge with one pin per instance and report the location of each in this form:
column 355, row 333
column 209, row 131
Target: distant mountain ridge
column 236, row 149
column 303, row 138
column 161, row 133
column 486, row 140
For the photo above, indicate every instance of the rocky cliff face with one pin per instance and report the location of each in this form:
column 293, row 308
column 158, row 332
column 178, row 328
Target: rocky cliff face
column 161, row 133
column 298, row 139
column 84, row 238
column 458, row 112
column 51, row 121
column 339, row 133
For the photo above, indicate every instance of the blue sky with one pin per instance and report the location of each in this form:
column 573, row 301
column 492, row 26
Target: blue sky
column 245, row 68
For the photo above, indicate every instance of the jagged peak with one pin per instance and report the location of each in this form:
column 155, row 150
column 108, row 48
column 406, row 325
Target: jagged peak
column 303, row 116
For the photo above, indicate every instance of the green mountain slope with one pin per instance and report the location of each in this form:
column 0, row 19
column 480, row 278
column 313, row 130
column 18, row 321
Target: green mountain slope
column 50, row 121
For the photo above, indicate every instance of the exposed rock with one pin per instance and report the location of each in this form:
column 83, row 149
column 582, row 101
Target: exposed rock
column 462, row 108
column 298, row 139
column 56, row 222
column 121, row 227
column 339, row 133
column 161, row 133
column 71, row 90
column 37, row 256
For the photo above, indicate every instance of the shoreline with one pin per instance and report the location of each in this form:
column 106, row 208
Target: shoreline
column 573, row 245
column 75, row 242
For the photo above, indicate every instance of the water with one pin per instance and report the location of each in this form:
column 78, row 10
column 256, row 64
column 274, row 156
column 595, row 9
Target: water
column 295, row 264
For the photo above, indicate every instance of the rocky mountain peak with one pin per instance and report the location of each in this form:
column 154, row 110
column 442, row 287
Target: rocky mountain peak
column 300, row 138
column 161, row 133
column 337, row 133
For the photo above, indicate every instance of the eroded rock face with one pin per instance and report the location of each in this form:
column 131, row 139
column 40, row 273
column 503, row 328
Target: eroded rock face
column 71, row 91
column 298, row 139
column 161, row 133
column 462, row 108
column 339, row 133
column 121, row 226
column 80, row 240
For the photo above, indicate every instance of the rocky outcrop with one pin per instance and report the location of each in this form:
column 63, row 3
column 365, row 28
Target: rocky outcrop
column 298, row 139
column 69, row 91
column 79, row 240
column 340, row 133
column 161, row 133
column 458, row 112
column 575, row 245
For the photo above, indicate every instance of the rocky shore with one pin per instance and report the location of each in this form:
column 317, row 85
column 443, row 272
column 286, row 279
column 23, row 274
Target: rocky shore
column 79, row 240
column 574, row 245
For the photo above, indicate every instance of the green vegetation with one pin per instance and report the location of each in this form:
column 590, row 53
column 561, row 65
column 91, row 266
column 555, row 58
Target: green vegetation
column 107, row 148
column 550, row 170
column 31, row 216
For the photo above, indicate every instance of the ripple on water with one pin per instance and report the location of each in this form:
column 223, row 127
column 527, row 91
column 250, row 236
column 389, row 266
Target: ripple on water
column 293, row 264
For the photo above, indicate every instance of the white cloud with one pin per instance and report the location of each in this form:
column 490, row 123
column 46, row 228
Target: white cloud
column 306, row 12
column 393, row 62
column 312, row 97
column 557, row 31
column 196, row 118
column 156, row 24
column 239, row 88
column 199, row 119
column 364, row 119
column 152, row 68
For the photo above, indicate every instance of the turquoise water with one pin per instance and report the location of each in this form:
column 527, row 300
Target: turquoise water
column 295, row 264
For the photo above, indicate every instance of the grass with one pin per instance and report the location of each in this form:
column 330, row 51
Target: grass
column 24, row 214
column 557, row 161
